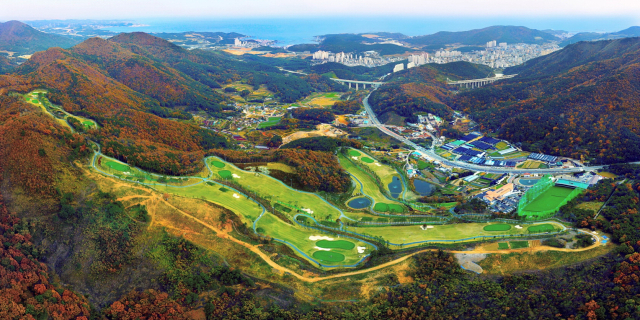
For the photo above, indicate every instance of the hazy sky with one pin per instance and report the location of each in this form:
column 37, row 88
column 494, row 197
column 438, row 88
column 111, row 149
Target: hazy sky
column 131, row 9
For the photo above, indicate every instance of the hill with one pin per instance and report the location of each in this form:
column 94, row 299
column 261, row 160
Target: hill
column 18, row 37
column 422, row 90
column 595, row 36
column 479, row 37
column 581, row 101
column 354, row 43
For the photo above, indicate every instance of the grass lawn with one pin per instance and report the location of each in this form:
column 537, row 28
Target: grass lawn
column 497, row 227
column 608, row 175
column 328, row 256
column 548, row 200
column 369, row 186
column 385, row 172
column 336, row 244
column 270, row 123
column 503, row 245
column 354, row 153
column 367, row 160
column 541, row 228
column 388, row 207
column 502, row 145
column 519, row 244
column 118, row 166
column 217, row 164
column 408, row 234
column 423, row 165
column 225, row 174
column 274, row 190
column 299, row 237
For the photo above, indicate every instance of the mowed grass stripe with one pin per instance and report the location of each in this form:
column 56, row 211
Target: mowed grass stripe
column 541, row 228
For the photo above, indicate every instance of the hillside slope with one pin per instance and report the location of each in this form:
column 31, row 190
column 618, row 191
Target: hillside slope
column 508, row 34
column 18, row 37
column 581, row 101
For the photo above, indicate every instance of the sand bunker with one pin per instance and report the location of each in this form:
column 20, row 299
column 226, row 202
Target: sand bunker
column 323, row 249
column 316, row 238
column 378, row 164
column 428, row 227
column 236, row 176
column 361, row 249
column 354, row 158
column 518, row 227
column 309, row 211
column 235, row 195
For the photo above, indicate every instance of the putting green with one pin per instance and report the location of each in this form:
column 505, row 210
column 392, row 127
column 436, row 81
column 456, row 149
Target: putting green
column 384, row 207
column 354, row 153
column 337, row 244
column 503, row 246
column 118, row 166
column 328, row 256
column 217, row 164
column 225, row 174
column 497, row 227
column 367, row 160
column 541, row 228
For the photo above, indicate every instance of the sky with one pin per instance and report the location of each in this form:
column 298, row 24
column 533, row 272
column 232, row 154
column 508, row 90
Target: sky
column 626, row 10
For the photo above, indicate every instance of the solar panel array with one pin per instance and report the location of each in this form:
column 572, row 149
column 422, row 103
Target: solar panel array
column 543, row 157
column 489, row 140
column 481, row 145
column 470, row 137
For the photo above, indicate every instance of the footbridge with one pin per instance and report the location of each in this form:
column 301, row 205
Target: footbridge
column 357, row 83
column 476, row 83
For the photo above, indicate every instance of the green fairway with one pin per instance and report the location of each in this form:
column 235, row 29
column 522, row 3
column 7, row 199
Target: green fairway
column 217, row 164
column 269, row 123
column 354, row 153
column 541, row 228
column 275, row 191
column 88, row 124
column 383, row 171
column 503, row 246
column 413, row 233
column 497, row 227
column 367, row 160
column 386, row 207
column 549, row 200
column 225, row 174
column 336, row 244
column 118, row 166
column 328, row 256
column 519, row 244
column 369, row 186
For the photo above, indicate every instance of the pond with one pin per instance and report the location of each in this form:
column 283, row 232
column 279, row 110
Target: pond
column 360, row 203
column 528, row 182
column 423, row 188
column 395, row 187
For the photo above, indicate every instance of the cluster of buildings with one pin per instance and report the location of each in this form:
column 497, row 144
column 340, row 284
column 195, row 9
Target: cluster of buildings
column 253, row 43
column 368, row 59
column 504, row 199
column 499, row 55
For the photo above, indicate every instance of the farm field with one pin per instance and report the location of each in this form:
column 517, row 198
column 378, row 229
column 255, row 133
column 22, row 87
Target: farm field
column 450, row 232
column 274, row 190
column 269, row 123
column 529, row 164
column 322, row 100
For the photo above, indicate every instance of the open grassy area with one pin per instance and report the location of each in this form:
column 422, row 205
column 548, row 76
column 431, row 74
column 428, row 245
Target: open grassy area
column 299, row 237
column 502, row 145
column 538, row 228
column 269, row 123
column 322, row 100
column 388, row 207
column 497, row 227
column 413, row 233
column 593, row 205
column 336, row 244
column 548, row 200
column 518, row 244
column 117, row 166
column 369, row 185
column 608, row 175
column 530, row 164
column 274, row 190
column 503, row 246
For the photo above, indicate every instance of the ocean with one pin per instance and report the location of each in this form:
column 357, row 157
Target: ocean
column 302, row 30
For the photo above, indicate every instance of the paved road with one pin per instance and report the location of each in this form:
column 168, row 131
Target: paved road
column 431, row 154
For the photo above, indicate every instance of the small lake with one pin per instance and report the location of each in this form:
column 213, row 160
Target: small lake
column 528, row 182
column 423, row 188
column 395, row 187
column 360, row 203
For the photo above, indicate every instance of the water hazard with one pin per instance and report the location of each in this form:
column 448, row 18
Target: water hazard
column 395, row 187
column 360, row 203
column 423, row 188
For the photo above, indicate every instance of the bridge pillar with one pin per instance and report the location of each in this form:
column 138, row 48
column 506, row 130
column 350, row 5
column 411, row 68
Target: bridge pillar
column 356, row 86
column 349, row 85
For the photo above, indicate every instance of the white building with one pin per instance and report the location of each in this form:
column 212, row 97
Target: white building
column 398, row 67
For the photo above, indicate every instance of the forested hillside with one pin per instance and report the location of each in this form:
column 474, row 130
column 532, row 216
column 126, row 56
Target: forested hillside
column 18, row 37
column 581, row 101
column 509, row 34
column 423, row 89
